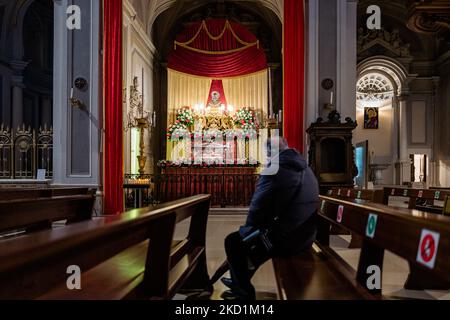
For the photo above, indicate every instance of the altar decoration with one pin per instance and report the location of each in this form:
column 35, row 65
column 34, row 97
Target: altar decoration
column 214, row 135
column 219, row 70
column 140, row 119
column 245, row 119
column 185, row 116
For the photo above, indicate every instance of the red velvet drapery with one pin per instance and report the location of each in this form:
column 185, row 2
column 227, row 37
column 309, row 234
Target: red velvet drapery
column 217, row 48
column 294, row 67
column 112, row 82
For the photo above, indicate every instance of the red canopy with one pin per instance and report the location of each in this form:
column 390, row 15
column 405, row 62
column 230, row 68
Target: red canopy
column 217, row 48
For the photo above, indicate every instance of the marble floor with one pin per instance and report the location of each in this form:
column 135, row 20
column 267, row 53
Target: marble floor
column 395, row 269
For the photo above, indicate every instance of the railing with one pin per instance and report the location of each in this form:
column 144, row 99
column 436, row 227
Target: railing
column 23, row 152
column 226, row 189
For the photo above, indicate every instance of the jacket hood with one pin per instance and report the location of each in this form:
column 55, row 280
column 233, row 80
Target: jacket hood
column 290, row 159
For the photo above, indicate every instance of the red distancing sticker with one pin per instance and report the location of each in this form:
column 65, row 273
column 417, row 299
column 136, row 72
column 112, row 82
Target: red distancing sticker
column 340, row 214
column 428, row 247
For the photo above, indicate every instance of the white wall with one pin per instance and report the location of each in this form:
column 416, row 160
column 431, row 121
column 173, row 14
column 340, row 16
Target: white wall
column 381, row 140
column 138, row 56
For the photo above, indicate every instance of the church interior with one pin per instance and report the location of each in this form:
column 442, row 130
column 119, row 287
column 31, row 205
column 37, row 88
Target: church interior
column 133, row 135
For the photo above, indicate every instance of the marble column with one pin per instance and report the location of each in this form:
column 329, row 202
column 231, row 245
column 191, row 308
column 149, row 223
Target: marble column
column 405, row 162
column 46, row 112
column 17, row 92
column 346, row 58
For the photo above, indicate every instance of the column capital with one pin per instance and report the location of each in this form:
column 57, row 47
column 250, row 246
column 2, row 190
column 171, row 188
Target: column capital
column 273, row 66
column 17, row 81
column 18, row 66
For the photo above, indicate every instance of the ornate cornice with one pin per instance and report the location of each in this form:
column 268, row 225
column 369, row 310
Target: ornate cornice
column 429, row 17
column 389, row 40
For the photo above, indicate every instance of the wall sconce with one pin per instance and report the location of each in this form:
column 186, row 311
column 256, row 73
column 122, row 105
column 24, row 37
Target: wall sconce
column 74, row 102
column 82, row 85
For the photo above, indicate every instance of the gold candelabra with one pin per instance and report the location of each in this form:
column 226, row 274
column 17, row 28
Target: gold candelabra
column 142, row 124
column 140, row 119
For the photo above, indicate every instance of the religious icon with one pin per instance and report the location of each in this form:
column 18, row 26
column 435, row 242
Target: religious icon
column 370, row 118
column 215, row 105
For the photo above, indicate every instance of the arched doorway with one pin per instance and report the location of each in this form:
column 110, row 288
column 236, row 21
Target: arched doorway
column 256, row 16
column 381, row 92
column 26, row 88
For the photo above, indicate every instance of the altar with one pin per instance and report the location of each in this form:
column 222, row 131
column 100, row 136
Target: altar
column 228, row 185
column 219, row 113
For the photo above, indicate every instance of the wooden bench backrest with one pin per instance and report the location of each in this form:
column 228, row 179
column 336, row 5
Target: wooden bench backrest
column 426, row 194
column 397, row 230
column 39, row 213
column 446, row 210
column 31, row 265
column 363, row 194
column 27, row 193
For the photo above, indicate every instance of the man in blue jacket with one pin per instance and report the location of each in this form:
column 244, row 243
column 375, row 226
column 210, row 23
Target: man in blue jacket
column 285, row 203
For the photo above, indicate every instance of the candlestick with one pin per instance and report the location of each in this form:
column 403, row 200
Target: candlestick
column 270, row 93
column 143, row 90
column 331, row 98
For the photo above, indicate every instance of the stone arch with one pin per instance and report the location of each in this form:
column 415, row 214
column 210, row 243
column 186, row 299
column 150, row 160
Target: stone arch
column 390, row 79
column 17, row 15
column 398, row 75
column 386, row 65
column 160, row 6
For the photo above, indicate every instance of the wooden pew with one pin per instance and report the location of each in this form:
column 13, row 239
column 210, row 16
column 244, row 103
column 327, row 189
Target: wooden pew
column 34, row 193
column 38, row 213
column 125, row 256
column 421, row 199
column 370, row 195
column 396, row 230
column 446, row 210
column 373, row 195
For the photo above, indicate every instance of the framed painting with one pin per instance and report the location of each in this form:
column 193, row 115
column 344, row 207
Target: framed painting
column 370, row 118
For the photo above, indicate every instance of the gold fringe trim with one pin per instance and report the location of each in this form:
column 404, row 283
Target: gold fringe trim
column 218, row 78
column 204, row 27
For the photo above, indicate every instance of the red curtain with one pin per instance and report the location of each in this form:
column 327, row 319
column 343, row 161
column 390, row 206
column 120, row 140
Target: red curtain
column 217, row 48
column 294, row 67
column 112, row 84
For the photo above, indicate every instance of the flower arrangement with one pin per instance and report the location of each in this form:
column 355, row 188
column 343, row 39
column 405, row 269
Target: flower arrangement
column 185, row 116
column 245, row 119
column 177, row 131
column 212, row 135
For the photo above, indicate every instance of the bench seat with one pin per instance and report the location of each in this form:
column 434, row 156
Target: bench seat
column 119, row 277
column 114, row 279
column 314, row 275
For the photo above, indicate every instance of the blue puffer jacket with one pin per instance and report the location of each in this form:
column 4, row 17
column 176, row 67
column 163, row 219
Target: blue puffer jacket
column 291, row 194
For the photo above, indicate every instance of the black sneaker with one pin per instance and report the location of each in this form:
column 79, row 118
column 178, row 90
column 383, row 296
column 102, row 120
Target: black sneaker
column 236, row 295
column 229, row 283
